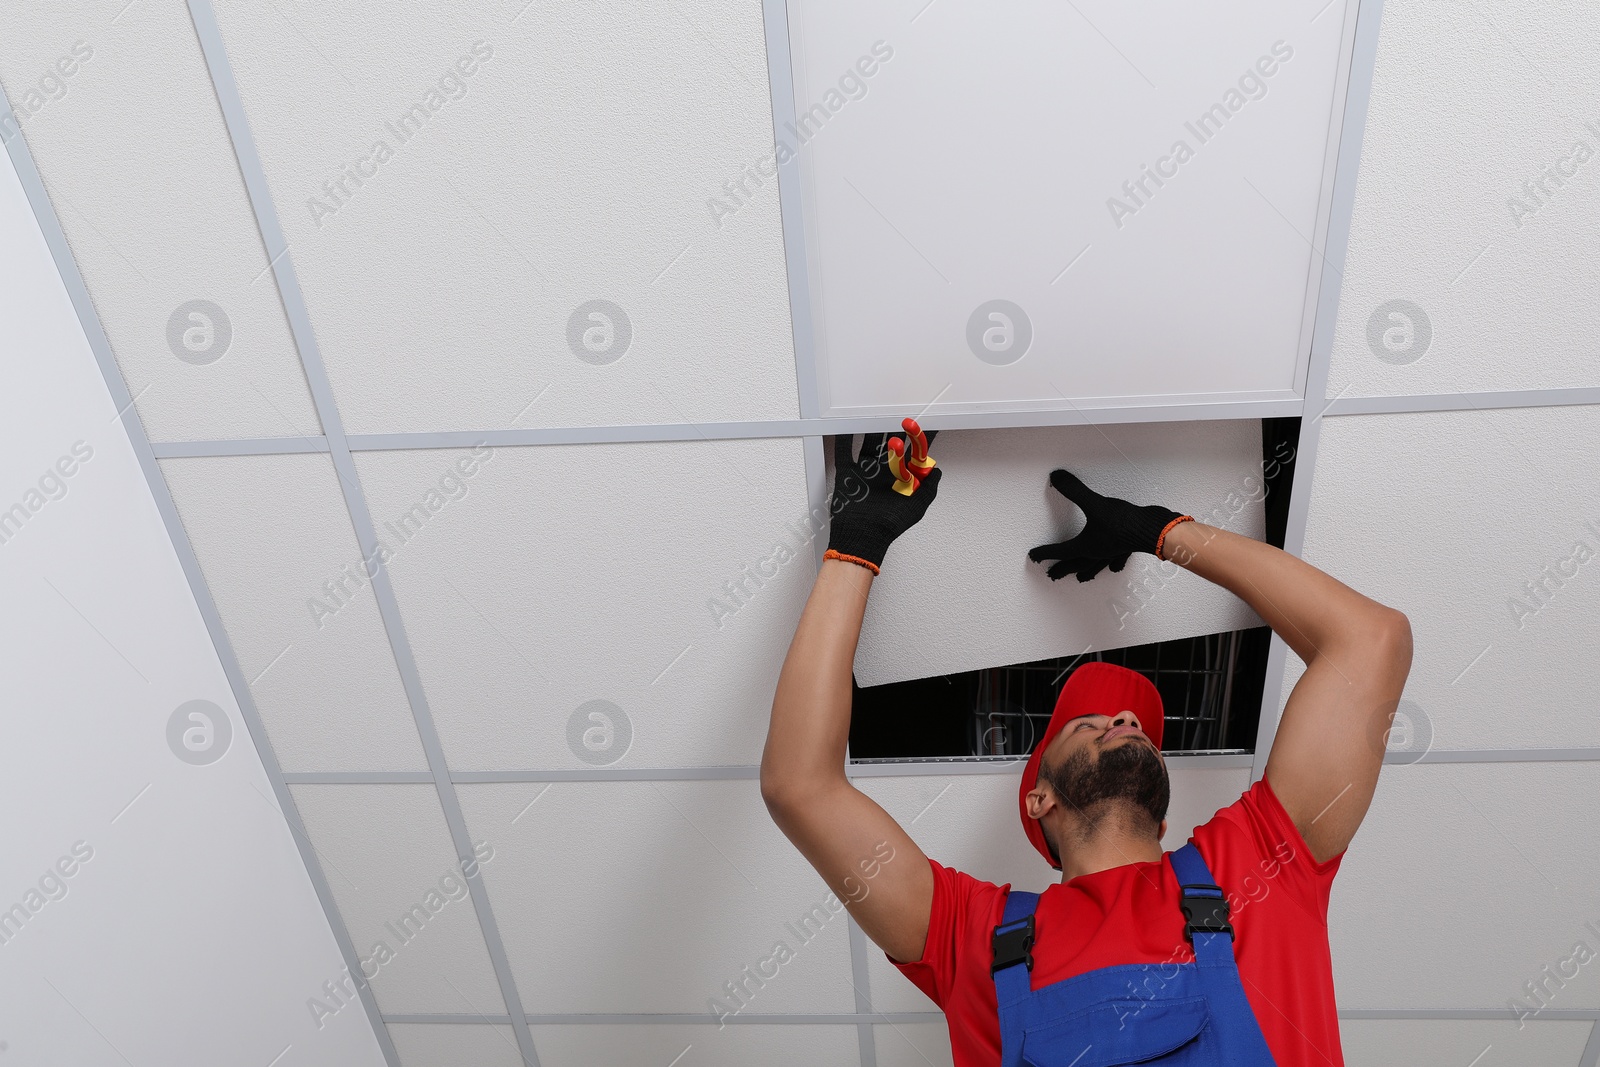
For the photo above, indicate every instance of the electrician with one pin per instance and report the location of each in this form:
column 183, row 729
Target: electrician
column 1216, row 953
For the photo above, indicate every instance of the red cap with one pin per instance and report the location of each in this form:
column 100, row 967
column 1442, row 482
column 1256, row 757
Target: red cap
column 1092, row 689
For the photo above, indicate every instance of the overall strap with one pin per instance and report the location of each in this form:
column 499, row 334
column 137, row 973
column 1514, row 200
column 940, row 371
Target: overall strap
column 1205, row 906
column 1013, row 948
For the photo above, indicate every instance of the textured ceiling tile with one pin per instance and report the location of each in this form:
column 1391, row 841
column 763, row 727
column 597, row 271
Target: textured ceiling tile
column 388, row 859
column 1483, row 526
column 1465, row 884
column 913, row 1045
column 156, row 909
column 603, row 888
column 453, row 1045
column 970, row 822
column 1457, row 1042
column 963, row 574
column 553, row 577
column 1493, row 237
column 1197, row 794
column 913, row 230
column 554, row 159
column 271, row 534
column 643, row 1045
column 135, row 157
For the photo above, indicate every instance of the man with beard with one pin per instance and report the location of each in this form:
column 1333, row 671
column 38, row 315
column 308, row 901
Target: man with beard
column 1215, row 953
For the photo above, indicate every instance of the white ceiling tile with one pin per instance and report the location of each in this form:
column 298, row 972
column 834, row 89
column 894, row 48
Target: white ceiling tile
column 1464, row 883
column 270, row 532
column 913, row 1045
column 135, row 157
column 963, row 577
column 910, row 230
column 1507, row 294
column 1460, row 1042
column 561, row 575
column 1197, row 794
column 1450, row 516
column 602, row 888
column 577, row 161
column 456, row 1045
column 645, row 1045
column 387, row 855
column 970, row 822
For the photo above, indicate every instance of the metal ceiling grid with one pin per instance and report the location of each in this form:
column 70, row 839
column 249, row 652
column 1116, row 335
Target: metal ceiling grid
column 339, row 447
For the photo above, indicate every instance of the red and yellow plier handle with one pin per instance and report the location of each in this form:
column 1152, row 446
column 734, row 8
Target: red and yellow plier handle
column 909, row 470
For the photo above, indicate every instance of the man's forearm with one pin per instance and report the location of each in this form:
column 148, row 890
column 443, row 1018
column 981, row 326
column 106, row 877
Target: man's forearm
column 1328, row 746
column 810, row 729
column 1311, row 611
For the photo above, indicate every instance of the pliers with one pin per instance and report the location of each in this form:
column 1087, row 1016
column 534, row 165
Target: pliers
column 909, row 470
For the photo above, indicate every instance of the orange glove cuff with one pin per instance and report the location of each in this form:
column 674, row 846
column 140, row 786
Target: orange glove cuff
column 857, row 560
column 1162, row 540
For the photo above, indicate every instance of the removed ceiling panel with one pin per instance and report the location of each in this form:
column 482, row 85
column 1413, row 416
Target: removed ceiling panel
column 959, row 593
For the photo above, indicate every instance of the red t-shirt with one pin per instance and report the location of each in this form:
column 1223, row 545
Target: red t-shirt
column 1279, row 899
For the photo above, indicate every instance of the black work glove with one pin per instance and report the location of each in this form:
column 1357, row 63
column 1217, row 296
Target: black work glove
column 867, row 513
column 1115, row 530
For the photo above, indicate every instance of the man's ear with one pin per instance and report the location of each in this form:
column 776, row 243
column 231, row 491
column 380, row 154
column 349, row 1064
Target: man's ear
column 1039, row 802
column 1161, row 832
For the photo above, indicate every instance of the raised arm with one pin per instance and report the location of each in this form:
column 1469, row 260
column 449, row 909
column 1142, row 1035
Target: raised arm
column 1329, row 747
column 869, row 862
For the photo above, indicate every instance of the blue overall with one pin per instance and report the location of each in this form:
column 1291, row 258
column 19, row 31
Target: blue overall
column 1188, row 1014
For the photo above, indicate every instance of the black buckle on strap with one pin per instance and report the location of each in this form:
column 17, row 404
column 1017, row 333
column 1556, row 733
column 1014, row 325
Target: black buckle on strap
column 1206, row 910
column 1013, row 944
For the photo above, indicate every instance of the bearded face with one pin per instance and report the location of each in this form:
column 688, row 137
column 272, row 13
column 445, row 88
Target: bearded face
column 1131, row 771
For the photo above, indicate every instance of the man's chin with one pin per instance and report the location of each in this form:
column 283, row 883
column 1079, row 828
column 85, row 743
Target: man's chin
column 1117, row 772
